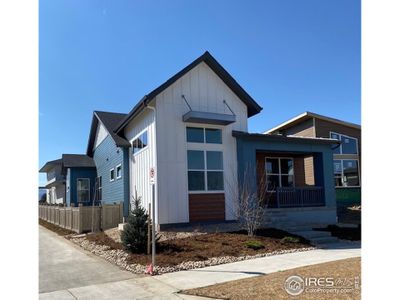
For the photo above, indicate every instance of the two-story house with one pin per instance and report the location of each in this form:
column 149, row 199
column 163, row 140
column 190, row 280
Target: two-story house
column 347, row 155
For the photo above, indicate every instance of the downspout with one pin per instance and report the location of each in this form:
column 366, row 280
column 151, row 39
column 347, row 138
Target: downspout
column 155, row 160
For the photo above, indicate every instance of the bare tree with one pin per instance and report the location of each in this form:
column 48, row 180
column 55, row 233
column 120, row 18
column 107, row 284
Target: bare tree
column 250, row 199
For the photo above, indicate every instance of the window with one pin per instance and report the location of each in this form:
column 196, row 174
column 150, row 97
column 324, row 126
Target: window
column 349, row 145
column 205, row 170
column 112, row 174
column 346, row 172
column 280, row 172
column 213, row 136
column 140, row 142
column 83, row 189
column 203, row 135
column 99, row 188
column 119, row 171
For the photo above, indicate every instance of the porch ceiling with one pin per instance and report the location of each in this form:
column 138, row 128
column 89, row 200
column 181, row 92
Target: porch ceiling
column 281, row 138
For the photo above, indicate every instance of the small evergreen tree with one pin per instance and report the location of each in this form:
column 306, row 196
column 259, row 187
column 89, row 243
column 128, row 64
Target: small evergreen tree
column 134, row 235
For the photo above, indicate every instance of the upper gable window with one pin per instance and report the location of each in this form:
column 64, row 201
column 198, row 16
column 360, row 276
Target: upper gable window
column 140, row 142
column 349, row 145
column 203, row 135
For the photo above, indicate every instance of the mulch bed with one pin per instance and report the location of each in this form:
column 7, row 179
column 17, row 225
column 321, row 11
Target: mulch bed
column 203, row 247
column 57, row 229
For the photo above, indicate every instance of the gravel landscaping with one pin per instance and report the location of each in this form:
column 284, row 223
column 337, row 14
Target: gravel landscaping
column 190, row 252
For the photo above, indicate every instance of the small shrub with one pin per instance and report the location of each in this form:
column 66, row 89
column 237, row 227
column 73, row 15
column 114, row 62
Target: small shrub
column 255, row 245
column 134, row 235
column 290, row 239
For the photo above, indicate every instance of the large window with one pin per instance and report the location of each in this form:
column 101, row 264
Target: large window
column 205, row 170
column 279, row 172
column 99, row 188
column 140, row 142
column 346, row 172
column 83, row 191
column 349, row 145
column 203, row 135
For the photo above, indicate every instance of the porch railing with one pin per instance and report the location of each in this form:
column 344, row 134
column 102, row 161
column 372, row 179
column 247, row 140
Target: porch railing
column 299, row 197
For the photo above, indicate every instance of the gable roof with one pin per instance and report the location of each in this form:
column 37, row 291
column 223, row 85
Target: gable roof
column 110, row 120
column 252, row 107
column 309, row 115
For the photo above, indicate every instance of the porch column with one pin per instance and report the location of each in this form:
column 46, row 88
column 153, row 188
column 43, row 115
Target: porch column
column 246, row 157
column 323, row 172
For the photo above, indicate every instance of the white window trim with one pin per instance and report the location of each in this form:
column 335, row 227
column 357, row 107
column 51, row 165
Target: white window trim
column 77, row 190
column 340, row 145
column 341, row 178
column 280, row 171
column 205, row 170
column 116, row 171
column 112, row 179
column 136, row 137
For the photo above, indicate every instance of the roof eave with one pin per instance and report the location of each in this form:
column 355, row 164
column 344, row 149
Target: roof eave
column 252, row 106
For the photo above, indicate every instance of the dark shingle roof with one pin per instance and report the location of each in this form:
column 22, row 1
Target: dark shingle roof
column 252, row 106
column 48, row 165
column 110, row 120
column 70, row 161
column 77, row 160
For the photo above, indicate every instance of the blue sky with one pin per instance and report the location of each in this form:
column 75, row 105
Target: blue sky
column 289, row 55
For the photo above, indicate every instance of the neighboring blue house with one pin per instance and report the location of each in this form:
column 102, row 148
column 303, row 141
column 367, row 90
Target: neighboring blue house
column 71, row 180
column 110, row 153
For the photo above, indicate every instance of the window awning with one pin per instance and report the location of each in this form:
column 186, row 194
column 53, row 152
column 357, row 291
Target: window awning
column 208, row 118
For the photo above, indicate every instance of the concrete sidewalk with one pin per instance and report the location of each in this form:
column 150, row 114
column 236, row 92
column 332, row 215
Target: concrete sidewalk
column 254, row 267
column 69, row 272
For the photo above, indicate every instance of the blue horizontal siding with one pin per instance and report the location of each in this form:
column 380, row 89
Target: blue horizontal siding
column 72, row 175
column 107, row 156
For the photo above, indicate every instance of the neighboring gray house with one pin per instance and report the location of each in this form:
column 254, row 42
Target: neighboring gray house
column 110, row 153
column 55, row 182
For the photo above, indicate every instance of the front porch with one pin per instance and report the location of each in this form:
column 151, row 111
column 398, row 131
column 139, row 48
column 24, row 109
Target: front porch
column 296, row 173
column 289, row 179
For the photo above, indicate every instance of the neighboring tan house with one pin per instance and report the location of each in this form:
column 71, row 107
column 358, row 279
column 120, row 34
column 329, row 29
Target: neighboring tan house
column 347, row 156
column 192, row 131
column 70, row 180
column 110, row 153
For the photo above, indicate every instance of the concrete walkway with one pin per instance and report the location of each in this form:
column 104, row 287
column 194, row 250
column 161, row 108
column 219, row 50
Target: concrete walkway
column 254, row 267
column 66, row 271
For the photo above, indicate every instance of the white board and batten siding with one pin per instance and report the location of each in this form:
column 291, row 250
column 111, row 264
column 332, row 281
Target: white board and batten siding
column 141, row 162
column 204, row 91
column 101, row 134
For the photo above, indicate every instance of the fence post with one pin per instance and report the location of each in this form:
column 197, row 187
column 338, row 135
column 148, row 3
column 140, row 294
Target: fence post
column 121, row 212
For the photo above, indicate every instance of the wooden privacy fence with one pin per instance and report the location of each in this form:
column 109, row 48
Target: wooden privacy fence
column 83, row 218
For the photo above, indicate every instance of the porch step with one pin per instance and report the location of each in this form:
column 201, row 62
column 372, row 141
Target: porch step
column 294, row 227
column 323, row 240
column 312, row 234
